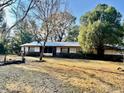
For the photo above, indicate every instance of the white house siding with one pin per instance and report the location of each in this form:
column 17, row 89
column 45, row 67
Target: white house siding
column 72, row 50
column 58, row 50
column 112, row 52
column 26, row 49
column 22, row 49
column 48, row 54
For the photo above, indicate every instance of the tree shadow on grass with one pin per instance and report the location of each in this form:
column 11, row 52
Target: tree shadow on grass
column 11, row 62
column 39, row 61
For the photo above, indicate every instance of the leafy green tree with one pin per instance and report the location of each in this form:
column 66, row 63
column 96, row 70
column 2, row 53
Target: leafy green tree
column 22, row 35
column 18, row 39
column 100, row 27
column 73, row 34
column 1, row 48
column 123, row 34
column 1, row 23
column 3, row 32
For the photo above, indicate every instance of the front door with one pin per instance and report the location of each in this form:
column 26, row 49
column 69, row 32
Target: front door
column 48, row 51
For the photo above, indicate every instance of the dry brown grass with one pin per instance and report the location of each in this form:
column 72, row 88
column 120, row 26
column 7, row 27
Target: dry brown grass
column 17, row 87
column 58, row 75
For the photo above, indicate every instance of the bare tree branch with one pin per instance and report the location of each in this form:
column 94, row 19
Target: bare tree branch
column 21, row 19
column 6, row 3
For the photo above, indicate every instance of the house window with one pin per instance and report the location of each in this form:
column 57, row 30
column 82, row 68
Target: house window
column 37, row 49
column 78, row 50
column 72, row 50
column 32, row 49
column 64, row 50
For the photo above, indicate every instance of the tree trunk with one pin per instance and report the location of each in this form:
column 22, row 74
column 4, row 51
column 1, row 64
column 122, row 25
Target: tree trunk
column 100, row 51
column 41, row 53
column 5, row 58
column 60, row 39
column 23, row 57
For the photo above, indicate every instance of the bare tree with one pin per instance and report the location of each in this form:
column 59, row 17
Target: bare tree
column 45, row 10
column 6, row 3
column 9, row 3
column 21, row 26
column 2, row 23
column 25, row 12
column 63, row 22
column 3, row 5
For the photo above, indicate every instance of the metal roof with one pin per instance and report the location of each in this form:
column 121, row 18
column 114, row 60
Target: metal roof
column 115, row 46
column 73, row 44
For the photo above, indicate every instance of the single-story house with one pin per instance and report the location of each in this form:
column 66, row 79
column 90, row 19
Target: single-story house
column 51, row 48
column 57, row 48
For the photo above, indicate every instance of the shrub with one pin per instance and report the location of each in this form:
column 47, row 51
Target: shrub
column 1, row 49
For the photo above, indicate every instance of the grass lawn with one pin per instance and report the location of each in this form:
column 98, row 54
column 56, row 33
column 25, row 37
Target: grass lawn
column 58, row 75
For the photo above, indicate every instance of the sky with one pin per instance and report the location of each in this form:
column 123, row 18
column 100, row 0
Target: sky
column 80, row 7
